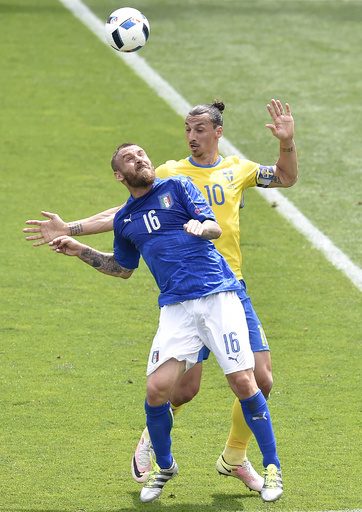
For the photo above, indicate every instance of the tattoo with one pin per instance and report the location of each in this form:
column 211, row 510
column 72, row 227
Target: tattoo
column 103, row 262
column 276, row 180
column 287, row 150
column 75, row 228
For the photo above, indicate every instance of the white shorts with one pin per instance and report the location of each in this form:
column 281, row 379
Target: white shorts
column 216, row 321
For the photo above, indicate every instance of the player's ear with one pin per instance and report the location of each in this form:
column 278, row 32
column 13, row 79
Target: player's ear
column 118, row 175
column 219, row 131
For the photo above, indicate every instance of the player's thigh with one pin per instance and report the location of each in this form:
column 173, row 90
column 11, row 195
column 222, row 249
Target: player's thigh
column 187, row 386
column 176, row 337
column 263, row 371
column 161, row 382
column 257, row 337
column 225, row 332
column 258, row 342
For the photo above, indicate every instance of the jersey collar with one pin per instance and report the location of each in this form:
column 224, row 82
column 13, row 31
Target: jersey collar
column 204, row 166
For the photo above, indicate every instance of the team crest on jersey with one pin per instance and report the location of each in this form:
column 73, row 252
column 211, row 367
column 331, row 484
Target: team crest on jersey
column 229, row 175
column 166, row 200
column 155, row 357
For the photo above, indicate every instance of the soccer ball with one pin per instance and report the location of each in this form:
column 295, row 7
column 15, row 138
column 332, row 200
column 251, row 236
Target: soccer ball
column 127, row 29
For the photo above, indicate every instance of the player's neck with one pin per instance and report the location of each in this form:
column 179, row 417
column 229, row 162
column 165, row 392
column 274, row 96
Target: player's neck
column 206, row 158
column 139, row 191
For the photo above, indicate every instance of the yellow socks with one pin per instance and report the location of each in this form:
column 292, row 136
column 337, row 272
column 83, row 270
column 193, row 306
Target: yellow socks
column 239, row 437
column 176, row 408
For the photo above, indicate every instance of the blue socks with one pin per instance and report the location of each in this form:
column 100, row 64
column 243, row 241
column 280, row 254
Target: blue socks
column 159, row 424
column 256, row 414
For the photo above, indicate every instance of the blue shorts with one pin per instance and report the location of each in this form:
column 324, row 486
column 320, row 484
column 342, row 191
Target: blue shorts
column 258, row 341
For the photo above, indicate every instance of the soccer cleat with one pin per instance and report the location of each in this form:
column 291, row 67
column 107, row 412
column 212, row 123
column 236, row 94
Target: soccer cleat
column 156, row 480
column 273, row 486
column 142, row 459
column 246, row 473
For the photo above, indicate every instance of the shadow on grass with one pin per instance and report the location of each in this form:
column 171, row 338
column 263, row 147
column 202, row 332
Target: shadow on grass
column 220, row 503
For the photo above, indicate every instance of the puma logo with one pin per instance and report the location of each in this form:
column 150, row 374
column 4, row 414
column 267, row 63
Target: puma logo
column 259, row 417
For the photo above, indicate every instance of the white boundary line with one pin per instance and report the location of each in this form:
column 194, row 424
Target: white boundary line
column 182, row 107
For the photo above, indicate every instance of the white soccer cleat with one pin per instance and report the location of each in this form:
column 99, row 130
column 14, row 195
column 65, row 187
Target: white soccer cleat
column 273, row 486
column 156, row 481
column 246, row 473
column 142, row 459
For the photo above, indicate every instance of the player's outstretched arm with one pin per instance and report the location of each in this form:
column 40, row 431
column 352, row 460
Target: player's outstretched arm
column 286, row 168
column 101, row 261
column 209, row 229
column 54, row 227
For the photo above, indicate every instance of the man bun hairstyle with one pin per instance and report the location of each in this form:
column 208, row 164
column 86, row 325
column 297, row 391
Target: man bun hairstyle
column 214, row 110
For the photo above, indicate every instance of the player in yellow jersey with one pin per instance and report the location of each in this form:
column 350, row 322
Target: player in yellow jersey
column 222, row 181
column 222, row 184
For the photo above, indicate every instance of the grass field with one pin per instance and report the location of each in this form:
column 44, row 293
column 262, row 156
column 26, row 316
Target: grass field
column 74, row 343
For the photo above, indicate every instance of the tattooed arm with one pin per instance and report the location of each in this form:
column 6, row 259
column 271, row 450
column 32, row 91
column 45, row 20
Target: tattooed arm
column 54, row 227
column 101, row 261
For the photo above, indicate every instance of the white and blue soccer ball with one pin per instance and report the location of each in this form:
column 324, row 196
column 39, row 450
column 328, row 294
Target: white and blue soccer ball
column 127, row 29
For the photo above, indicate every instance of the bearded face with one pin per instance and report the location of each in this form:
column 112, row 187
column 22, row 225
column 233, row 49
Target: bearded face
column 135, row 169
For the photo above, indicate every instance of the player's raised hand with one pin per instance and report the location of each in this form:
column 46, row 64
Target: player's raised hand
column 66, row 245
column 46, row 230
column 283, row 127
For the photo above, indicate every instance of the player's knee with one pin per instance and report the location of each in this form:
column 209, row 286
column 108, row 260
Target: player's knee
column 242, row 383
column 157, row 393
column 265, row 383
column 263, row 372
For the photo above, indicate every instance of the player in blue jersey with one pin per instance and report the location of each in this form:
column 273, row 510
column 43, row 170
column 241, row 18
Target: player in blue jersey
column 170, row 224
column 223, row 182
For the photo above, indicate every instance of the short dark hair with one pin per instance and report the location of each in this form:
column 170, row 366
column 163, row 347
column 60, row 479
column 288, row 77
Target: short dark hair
column 114, row 163
column 214, row 109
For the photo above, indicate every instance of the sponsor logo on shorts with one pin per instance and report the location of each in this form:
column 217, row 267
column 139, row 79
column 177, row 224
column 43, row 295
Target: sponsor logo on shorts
column 155, row 357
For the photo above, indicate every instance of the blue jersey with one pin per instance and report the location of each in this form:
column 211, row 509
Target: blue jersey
column 184, row 266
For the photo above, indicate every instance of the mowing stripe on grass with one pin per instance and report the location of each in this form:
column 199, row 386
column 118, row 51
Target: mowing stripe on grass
column 182, row 107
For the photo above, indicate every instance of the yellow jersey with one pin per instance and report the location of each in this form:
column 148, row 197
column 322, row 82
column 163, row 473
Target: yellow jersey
column 222, row 185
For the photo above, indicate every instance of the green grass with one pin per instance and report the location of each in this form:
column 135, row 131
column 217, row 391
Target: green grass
column 74, row 343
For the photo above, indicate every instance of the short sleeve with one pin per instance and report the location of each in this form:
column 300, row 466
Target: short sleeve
column 126, row 253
